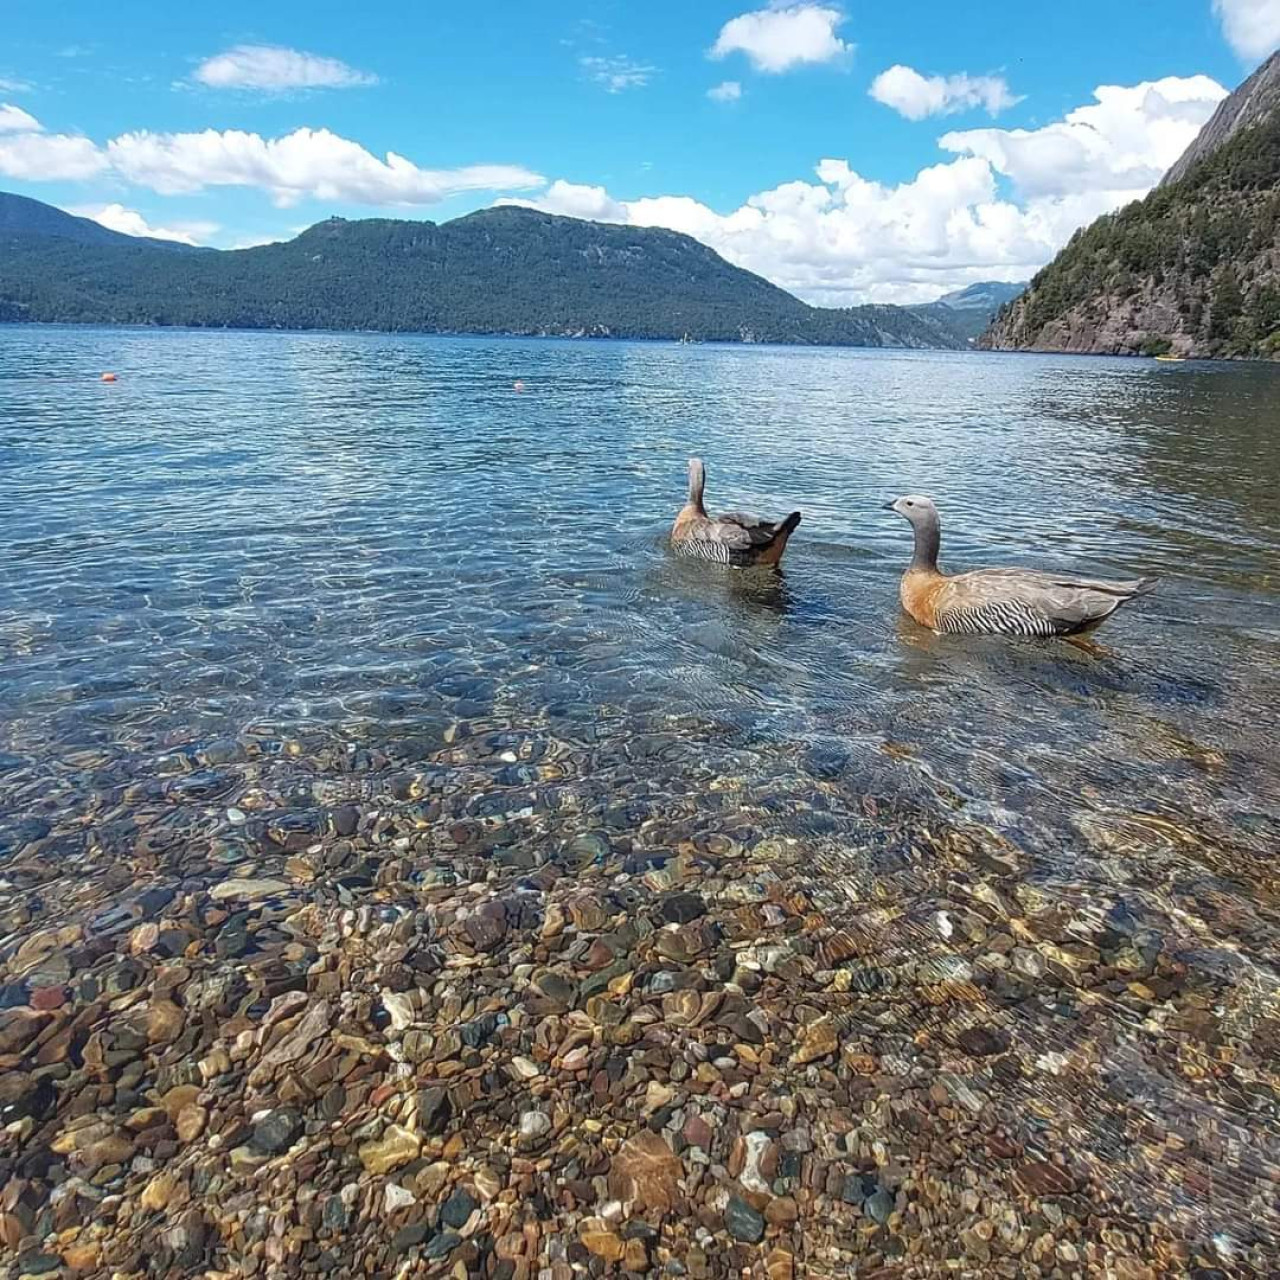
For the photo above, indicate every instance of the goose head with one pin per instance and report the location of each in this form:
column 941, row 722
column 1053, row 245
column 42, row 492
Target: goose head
column 915, row 508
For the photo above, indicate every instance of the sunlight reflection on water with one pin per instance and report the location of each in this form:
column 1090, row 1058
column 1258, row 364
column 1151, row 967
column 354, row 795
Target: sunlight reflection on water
column 368, row 539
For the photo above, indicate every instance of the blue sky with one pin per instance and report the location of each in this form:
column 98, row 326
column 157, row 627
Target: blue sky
column 772, row 132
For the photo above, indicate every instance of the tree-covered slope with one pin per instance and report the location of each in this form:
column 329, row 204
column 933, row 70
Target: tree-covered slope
column 502, row 270
column 1193, row 268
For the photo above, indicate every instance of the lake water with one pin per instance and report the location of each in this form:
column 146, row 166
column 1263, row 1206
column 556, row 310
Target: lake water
column 279, row 565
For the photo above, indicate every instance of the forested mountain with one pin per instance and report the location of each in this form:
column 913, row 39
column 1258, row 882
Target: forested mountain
column 1194, row 268
column 502, row 270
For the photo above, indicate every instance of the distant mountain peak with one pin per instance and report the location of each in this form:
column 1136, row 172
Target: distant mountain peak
column 987, row 295
column 20, row 215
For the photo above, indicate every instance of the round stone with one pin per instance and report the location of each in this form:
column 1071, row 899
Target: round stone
column 458, row 1208
column 534, row 1125
column 276, row 1131
column 879, row 1206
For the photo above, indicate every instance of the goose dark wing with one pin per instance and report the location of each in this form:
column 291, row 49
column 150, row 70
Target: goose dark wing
column 759, row 532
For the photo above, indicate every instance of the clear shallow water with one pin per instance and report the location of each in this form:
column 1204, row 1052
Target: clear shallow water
column 273, row 564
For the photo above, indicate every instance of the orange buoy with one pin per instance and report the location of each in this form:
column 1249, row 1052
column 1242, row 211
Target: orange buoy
column 518, row 385
column 108, row 377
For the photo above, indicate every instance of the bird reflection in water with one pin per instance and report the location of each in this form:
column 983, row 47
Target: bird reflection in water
column 760, row 591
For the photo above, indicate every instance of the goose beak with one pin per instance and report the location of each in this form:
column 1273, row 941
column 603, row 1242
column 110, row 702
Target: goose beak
column 888, row 506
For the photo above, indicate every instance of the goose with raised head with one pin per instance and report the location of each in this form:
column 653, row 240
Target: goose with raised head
column 1008, row 602
column 733, row 538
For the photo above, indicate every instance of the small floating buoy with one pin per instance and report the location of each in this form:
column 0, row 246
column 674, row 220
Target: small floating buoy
column 518, row 385
column 108, row 377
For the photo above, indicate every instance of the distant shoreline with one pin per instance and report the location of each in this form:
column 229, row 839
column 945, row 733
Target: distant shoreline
column 506, row 335
column 1199, row 361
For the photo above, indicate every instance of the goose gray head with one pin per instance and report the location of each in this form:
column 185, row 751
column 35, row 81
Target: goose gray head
column 916, row 508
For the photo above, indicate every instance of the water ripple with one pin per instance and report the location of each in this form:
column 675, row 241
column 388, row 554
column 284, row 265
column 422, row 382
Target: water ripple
column 309, row 546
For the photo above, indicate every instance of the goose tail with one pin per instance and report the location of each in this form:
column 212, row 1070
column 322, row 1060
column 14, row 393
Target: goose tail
column 1143, row 587
column 788, row 527
column 772, row 553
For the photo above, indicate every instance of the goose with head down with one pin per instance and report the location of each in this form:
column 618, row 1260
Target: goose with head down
column 733, row 538
column 1009, row 602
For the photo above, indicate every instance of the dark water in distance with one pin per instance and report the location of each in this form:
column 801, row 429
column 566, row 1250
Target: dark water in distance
column 358, row 539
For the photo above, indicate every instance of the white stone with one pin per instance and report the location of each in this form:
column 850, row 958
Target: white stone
column 399, row 1007
column 757, row 1144
column 397, row 1197
column 248, row 889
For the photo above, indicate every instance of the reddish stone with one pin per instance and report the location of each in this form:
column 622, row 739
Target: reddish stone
column 646, row 1171
column 598, row 956
column 48, row 997
column 782, row 1211
column 486, row 926
column 697, row 1133
column 1040, row 1178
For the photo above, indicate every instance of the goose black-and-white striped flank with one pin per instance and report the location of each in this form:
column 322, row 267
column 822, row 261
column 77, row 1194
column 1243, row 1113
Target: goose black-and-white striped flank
column 999, row 617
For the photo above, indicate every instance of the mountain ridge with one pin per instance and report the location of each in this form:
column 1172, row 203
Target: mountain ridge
column 503, row 269
column 985, row 293
column 1192, row 269
column 970, row 310
column 1255, row 99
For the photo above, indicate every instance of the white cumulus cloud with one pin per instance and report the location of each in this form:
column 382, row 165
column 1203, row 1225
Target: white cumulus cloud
column 15, row 120
column 131, row 223
column 616, row 73
column 727, row 91
column 274, row 69
column 1252, row 27
column 306, row 163
column 840, row 238
column 1121, row 142
column 916, row 96
column 576, row 200
column 783, row 36
column 28, row 153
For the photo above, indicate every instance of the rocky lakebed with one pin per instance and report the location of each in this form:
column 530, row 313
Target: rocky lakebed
column 289, row 1009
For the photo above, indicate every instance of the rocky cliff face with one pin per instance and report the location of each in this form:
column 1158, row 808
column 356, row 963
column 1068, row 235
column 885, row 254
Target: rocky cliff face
column 1251, row 104
column 1193, row 269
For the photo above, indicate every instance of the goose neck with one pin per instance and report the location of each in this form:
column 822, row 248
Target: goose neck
column 928, row 539
column 697, row 482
